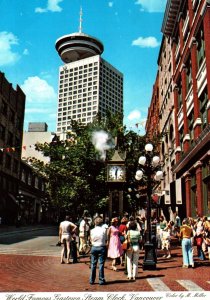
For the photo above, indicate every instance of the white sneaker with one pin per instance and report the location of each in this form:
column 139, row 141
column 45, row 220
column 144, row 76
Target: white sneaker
column 164, row 256
column 169, row 256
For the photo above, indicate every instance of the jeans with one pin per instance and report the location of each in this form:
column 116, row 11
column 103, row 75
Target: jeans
column 73, row 245
column 187, row 252
column 200, row 253
column 98, row 254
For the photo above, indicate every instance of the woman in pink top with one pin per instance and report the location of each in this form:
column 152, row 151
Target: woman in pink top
column 114, row 244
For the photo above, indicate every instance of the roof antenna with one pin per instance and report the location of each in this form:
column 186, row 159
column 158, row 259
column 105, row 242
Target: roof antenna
column 80, row 20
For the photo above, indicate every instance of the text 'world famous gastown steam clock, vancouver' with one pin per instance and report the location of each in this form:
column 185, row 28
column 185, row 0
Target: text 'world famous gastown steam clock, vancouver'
column 88, row 84
column 116, row 177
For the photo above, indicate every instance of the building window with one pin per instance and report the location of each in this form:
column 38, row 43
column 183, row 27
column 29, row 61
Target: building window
column 189, row 76
column 29, row 179
column 181, row 137
column 2, row 132
column 206, row 186
column 36, row 182
column 203, row 107
column 190, row 126
column 179, row 95
column 15, row 166
column 200, row 47
column 8, row 162
column 1, row 157
column 171, row 137
column 12, row 116
column 10, row 139
column 23, row 175
column 18, row 123
column 4, row 109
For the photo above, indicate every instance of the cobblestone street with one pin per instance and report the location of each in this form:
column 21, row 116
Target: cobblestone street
column 38, row 273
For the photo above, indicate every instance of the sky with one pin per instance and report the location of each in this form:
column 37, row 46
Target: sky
column 130, row 31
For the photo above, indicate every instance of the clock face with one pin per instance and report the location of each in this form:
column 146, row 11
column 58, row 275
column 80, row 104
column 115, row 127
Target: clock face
column 116, row 173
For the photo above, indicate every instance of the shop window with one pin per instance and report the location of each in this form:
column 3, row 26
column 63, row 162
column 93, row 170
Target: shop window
column 193, row 195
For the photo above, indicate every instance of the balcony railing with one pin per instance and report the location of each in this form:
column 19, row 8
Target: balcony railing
column 196, row 146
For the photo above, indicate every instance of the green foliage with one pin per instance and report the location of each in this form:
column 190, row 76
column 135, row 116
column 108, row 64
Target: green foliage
column 76, row 174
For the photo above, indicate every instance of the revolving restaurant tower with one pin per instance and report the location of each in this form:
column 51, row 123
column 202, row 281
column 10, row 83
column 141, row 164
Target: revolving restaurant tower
column 87, row 83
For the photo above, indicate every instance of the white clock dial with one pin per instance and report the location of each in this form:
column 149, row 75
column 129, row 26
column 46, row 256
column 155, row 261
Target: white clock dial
column 116, row 173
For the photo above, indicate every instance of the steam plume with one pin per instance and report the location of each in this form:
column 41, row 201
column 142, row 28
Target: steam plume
column 102, row 142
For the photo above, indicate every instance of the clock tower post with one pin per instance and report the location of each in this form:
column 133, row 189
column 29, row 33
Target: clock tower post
column 116, row 177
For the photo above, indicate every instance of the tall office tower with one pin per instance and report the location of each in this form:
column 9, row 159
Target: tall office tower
column 88, row 84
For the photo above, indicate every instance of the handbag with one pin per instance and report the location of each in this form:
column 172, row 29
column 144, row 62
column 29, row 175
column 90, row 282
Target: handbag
column 125, row 245
column 199, row 241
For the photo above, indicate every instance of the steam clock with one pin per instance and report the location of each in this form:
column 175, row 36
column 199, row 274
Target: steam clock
column 116, row 176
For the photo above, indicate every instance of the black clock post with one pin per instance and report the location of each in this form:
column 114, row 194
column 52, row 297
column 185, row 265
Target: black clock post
column 116, row 176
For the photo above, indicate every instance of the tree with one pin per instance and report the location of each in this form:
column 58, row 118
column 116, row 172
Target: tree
column 76, row 173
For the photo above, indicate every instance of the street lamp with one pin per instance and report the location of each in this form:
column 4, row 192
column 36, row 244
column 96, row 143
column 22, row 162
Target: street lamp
column 148, row 168
column 45, row 205
column 19, row 200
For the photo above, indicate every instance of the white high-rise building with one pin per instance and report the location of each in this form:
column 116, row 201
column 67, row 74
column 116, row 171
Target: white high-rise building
column 88, row 84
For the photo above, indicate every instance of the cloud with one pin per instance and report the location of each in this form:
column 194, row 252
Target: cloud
column 7, row 56
column 38, row 90
column 25, row 52
column 41, row 101
column 134, row 115
column 52, row 5
column 135, row 121
column 148, row 42
column 152, row 5
column 110, row 4
column 40, row 10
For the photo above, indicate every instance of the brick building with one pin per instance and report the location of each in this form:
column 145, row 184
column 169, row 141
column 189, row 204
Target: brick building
column 186, row 134
column 12, row 105
column 152, row 124
column 22, row 192
column 166, row 123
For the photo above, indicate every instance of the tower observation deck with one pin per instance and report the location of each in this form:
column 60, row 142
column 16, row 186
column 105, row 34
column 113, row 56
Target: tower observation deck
column 78, row 46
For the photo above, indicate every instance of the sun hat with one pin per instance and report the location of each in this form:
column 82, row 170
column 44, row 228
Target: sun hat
column 114, row 220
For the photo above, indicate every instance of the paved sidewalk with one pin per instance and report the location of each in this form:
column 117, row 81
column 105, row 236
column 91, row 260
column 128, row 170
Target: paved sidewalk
column 8, row 229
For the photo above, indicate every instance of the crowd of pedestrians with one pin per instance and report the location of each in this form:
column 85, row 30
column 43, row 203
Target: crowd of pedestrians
column 120, row 240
